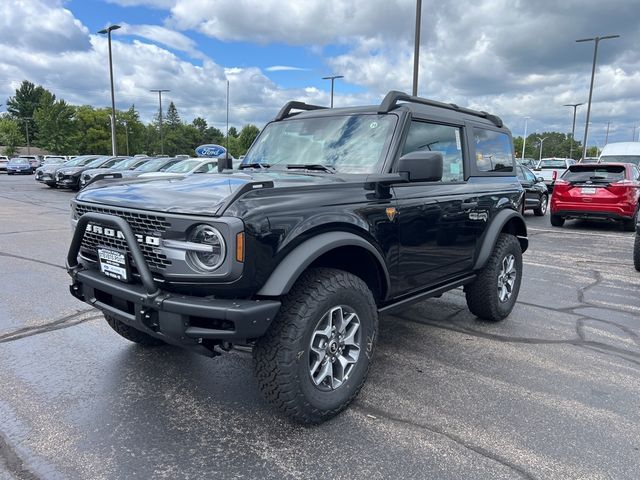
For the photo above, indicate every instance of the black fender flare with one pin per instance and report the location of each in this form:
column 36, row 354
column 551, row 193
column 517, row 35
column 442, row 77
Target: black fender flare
column 518, row 227
column 291, row 267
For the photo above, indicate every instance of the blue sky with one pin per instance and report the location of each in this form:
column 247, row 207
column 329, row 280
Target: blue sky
column 515, row 59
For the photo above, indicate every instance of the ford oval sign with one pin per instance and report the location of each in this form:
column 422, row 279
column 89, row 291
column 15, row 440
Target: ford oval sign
column 211, row 150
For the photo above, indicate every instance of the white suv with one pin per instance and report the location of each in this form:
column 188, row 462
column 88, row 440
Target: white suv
column 3, row 163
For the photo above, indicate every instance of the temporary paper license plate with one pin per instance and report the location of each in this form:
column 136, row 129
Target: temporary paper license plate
column 588, row 190
column 113, row 263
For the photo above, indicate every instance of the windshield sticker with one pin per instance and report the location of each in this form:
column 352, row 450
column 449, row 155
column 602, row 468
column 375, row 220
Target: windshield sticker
column 373, row 125
column 458, row 143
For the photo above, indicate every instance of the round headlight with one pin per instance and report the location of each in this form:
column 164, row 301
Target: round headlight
column 211, row 258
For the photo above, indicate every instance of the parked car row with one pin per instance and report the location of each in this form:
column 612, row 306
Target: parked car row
column 84, row 170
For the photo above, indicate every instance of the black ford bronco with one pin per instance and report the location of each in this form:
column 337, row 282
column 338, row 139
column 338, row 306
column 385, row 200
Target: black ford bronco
column 336, row 216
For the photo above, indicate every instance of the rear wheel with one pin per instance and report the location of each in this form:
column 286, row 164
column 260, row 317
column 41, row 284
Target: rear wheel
column 131, row 334
column 636, row 252
column 315, row 357
column 630, row 225
column 493, row 294
column 542, row 209
column 556, row 220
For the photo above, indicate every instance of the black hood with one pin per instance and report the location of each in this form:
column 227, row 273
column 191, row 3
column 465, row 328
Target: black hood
column 200, row 194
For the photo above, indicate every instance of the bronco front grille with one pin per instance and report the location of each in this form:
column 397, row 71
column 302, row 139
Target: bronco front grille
column 141, row 223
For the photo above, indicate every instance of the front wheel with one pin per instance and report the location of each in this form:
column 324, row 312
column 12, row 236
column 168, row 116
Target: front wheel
column 315, row 357
column 542, row 209
column 493, row 294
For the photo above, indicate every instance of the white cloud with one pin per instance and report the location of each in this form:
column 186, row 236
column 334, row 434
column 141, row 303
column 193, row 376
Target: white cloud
column 164, row 36
column 285, row 68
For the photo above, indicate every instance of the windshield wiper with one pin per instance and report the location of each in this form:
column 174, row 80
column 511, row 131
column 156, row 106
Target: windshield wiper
column 311, row 166
column 254, row 165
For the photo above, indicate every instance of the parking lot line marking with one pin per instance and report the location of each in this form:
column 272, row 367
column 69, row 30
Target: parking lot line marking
column 573, row 232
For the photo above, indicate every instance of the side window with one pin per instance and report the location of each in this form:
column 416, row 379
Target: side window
column 493, row 151
column 530, row 176
column 444, row 139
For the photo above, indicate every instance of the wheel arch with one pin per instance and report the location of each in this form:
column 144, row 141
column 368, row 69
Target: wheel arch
column 505, row 221
column 339, row 249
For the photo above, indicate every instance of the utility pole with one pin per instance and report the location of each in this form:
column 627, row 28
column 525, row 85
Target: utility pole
column 416, row 48
column 606, row 137
column 573, row 126
column 524, row 139
column 596, row 41
column 160, row 91
column 108, row 31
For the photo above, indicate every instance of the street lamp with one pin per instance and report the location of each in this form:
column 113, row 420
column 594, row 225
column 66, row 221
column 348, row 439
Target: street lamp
column 332, row 78
column 596, row 40
column 416, row 48
column 26, row 126
column 524, row 138
column 108, row 31
column 573, row 127
column 126, row 135
column 541, row 140
column 160, row 116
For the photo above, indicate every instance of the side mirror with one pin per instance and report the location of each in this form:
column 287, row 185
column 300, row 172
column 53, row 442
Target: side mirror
column 421, row 166
column 540, row 179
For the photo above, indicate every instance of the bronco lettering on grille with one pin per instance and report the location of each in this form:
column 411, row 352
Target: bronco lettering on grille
column 110, row 232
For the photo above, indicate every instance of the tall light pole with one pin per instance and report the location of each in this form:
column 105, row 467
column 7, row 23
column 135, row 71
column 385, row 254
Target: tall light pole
column 108, row 31
column 573, row 126
column 332, row 78
column 541, row 140
column 160, row 91
column 416, row 48
column 596, row 40
column 26, row 126
column 126, row 135
column 606, row 137
column 524, row 138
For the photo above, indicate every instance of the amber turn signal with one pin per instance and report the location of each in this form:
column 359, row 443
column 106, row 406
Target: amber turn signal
column 240, row 247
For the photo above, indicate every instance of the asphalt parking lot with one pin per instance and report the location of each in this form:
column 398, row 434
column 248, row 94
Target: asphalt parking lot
column 552, row 392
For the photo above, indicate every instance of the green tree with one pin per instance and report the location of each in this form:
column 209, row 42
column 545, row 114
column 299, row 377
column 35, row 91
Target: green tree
column 92, row 132
column 24, row 103
column 129, row 127
column 54, row 124
column 213, row 135
column 173, row 119
column 247, row 135
column 233, row 132
column 10, row 136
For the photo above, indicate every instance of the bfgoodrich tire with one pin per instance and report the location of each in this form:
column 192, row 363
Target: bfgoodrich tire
column 131, row 334
column 493, row 294
column 315, row 357
column 636, row 252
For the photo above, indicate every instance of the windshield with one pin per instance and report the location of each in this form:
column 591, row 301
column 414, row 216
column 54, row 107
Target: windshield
column 183, row 167
column 151, row 165
column 19, row 160
column 552, row 163
column 594, row 173
column 79, row 161
column 126, row 163
column 349, row 144
column 95, row 163
column 51, row 160
column 635, row 159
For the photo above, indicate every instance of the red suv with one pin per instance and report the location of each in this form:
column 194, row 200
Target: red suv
column 607, row 191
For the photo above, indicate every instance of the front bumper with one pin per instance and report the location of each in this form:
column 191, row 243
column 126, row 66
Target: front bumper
column 191, row 322
column 68, row 181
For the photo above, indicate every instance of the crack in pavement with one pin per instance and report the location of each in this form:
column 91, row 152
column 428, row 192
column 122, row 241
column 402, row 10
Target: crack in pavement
column 34, row 231
column 64, row 322
column 12, row 461
column 42, row 262
column 451, row 436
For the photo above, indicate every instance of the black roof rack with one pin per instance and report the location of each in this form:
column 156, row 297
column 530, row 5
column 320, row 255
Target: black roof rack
column 392, row 98
column 286, row 110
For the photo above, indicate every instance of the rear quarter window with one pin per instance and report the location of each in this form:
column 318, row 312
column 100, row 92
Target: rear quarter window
column 493, row 151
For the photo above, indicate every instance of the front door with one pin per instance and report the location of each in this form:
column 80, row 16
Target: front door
column 437, row 233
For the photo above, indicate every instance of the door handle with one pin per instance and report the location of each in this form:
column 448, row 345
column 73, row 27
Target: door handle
column 469, row 205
